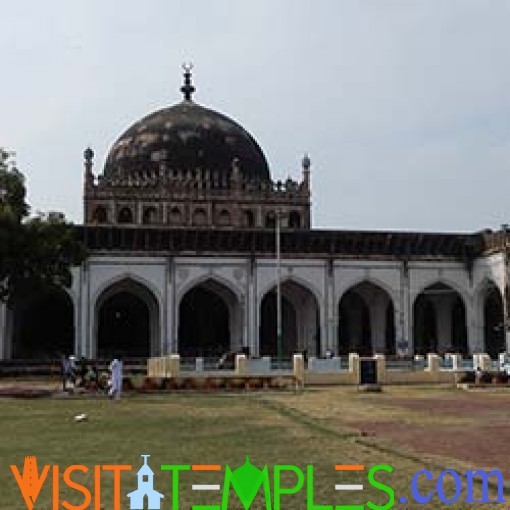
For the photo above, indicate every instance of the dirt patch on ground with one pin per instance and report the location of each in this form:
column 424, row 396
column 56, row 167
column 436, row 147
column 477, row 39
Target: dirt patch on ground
column 483, row 443
column 481, row 447
column 465, row 405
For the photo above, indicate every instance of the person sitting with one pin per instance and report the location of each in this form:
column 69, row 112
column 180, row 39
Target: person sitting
column 83, row 372
column 92, row 378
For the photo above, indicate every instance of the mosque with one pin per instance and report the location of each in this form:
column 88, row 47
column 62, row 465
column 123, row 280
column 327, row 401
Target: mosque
column 195, row 249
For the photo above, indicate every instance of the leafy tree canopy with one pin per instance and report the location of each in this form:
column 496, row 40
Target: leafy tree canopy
column 34, row 252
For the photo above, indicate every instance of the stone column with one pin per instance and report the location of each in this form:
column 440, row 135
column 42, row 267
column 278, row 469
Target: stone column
column 406, row 307
column 246, row 309
column 88, row 326
column 168, row 306
column 329, row 313
column 79, row 346
column 173, row 315
column 252, row 309
column 475, row 328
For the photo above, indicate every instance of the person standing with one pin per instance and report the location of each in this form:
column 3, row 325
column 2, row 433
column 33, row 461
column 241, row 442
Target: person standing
column 65, row 367
column 116, row 379
column 83, row 371
column 68, row 371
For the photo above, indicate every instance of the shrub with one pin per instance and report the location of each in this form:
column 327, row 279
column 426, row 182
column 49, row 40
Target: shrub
column 468, row 377
column 151, row 384
column 485, row 378
column 500, row 378
column 127, row 384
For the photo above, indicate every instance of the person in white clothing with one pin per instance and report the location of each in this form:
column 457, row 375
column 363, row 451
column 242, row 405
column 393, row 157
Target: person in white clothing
column 116, row 378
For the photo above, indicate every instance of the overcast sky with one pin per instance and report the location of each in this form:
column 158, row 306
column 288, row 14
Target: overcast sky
column 403, row 106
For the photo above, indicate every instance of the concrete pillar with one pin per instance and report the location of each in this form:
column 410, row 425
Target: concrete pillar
column 299, row 369
column 172, row 365
column 199, row 364
column 150, row 367
column 380, row 360
column 433, row 362
column 240, row 366
column 354, row 367
column 484, row 362
column 456, row 361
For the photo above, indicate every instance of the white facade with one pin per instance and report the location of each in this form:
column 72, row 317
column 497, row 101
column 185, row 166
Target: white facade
column 313, row 287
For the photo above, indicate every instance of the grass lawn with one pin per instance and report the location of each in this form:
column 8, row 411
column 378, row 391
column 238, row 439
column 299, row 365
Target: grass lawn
column 314, row 428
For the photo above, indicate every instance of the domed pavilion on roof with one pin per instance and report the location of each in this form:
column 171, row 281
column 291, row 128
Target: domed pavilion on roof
column 189, row 166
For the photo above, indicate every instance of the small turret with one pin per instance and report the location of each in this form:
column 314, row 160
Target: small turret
column 306, row 163
column 88, row 156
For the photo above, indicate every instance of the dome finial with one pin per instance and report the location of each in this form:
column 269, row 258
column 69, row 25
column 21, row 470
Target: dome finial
column 187, row 89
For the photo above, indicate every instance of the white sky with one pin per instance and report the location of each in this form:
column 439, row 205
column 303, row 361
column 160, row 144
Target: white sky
column 404, row 106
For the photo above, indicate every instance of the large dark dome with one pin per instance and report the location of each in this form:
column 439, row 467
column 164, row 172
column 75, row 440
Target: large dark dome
column 186, row 136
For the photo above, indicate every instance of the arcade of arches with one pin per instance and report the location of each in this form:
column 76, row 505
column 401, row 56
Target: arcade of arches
column 211, row 320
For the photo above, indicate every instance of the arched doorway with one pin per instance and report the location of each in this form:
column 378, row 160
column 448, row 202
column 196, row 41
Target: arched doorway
column 366, row 321
column 210, row 320
column 439, row 321
column 128, row 323
column 43, row 324
column 425, row 326
column 494, row 332
column 300, row 321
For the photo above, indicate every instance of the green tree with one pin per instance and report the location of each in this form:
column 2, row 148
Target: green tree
column 12, row 190
column 34, row 252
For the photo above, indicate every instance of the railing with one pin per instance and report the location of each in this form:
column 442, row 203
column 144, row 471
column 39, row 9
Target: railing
column 285, row 363
column 200, row 364
column 328, row 365
column 34, row 367
column 400, row 364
